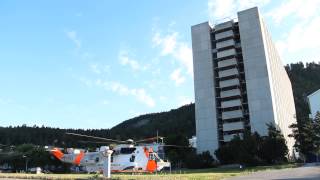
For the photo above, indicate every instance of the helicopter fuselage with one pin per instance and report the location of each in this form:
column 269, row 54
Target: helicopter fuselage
column 123, row 158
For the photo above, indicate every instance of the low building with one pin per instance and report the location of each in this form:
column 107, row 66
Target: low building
column 314, row 103
column 193, row 142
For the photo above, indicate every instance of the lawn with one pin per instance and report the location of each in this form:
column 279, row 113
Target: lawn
column 213, row 173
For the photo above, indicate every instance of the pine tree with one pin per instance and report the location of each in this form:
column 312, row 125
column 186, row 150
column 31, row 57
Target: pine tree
column 316, row 130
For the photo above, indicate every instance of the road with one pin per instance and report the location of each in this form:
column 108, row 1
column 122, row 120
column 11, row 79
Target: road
column 308, row 172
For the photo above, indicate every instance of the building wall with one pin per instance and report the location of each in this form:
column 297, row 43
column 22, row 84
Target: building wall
column 256, row 71
column 269, row 88
column 314, row 103
column 206, row 126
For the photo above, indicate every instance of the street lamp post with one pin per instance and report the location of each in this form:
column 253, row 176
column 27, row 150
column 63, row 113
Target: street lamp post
column 26, row 157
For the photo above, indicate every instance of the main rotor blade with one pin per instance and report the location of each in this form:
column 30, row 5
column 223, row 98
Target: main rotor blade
column 149, row 139
column 178, row 146
column 98, row 138
column 95, row 142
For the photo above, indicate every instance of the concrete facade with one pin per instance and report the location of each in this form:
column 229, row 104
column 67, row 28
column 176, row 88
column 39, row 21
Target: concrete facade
column 205, row 96
column 314, row 103
column 240, row 82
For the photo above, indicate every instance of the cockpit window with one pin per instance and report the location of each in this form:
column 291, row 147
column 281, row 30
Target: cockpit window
column 127, row 150
column 153, row 156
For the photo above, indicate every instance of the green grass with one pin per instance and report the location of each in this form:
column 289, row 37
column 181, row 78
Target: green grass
column 212, row 173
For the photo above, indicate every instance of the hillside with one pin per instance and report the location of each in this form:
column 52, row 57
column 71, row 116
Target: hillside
column 173, row 124
column 179, row 120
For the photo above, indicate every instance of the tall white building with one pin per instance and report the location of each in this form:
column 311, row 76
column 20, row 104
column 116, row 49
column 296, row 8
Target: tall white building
column 240, row 82
column 314, row 103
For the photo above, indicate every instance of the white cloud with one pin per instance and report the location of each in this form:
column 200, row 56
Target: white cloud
column 302, row 10
column 184, row 55
column 168, row 42
column 177, row 77
column 5, row 101
column 126, row 60
column 105, row 102
column 301, row 39
column 86, row 81
column 220, row 9
column 99, row 69
column 171, row 46
column 143, row 97
column 139, row 93
column 106, row 68
column 94, row 68
column 298, row 42
column 72, row 35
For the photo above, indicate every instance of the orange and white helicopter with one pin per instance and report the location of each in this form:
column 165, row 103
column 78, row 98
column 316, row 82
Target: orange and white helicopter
column 127, row 156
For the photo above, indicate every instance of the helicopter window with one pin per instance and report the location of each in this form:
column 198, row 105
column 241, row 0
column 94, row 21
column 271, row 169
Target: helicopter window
column 154, row 157
column 97, row 159
column 151, row 156
column 157, row 158
column 127, row 150
column 116, row 152
column 132, row 158
column 91, row 156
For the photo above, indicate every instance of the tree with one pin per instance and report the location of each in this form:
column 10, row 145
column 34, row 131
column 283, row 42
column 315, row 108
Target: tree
column 274, row 148
column 241, row 150
column 305, row 135
column 316, row 130
column 253, row 149
column 198, row 161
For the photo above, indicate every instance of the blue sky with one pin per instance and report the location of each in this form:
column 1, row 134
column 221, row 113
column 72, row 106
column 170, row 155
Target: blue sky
column 93, row 64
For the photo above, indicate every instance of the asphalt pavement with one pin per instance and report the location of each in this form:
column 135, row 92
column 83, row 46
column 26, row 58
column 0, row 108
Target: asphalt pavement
column 307, row 172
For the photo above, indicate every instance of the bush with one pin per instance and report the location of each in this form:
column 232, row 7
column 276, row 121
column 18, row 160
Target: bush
column 198, row 161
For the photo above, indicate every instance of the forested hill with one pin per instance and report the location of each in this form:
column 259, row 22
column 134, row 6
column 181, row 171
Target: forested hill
column 173, row 124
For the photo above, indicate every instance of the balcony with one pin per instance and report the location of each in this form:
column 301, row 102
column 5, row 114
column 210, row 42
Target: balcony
column 228, row 83
column 229, row 137
column 223, row 26
column 224, row 44
column 228, row 72
column 231, row 103
column 230, row 93
column 233, row 126
column 224, row 34
column 226, row 53
column 226, row 63
column 232, row 114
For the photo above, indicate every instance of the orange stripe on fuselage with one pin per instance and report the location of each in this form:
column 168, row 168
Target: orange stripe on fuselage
column 146, row 152
column 78, row 158
column 152, row 166
column 57, row 153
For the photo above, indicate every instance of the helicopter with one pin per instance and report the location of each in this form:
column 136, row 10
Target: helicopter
column 126, row 156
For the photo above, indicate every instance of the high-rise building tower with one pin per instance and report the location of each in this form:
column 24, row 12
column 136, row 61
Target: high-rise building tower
column 239, row 80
